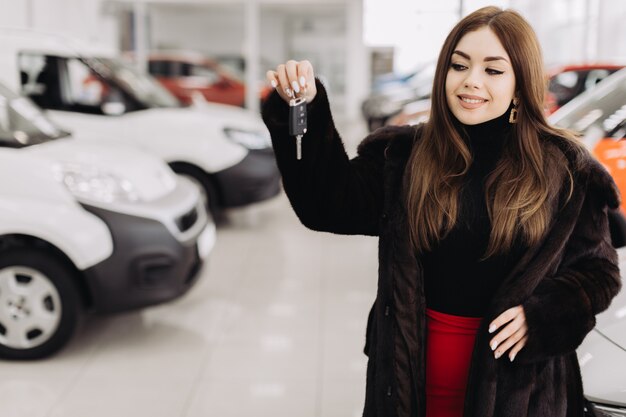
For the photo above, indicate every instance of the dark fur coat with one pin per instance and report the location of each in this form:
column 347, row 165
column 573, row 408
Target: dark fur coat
column 562, row 283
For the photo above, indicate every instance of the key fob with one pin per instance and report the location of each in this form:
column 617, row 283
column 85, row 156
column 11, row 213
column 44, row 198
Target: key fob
column 297, row 116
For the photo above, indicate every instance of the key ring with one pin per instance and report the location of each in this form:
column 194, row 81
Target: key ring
column 301, row 94
column 298, row 97
column 296, row 101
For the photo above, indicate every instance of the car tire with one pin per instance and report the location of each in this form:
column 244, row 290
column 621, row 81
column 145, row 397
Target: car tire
column 201, row 179
column 40, row 305
column 617, row 227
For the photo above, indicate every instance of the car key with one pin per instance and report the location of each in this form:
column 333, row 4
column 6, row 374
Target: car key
column 297, row 122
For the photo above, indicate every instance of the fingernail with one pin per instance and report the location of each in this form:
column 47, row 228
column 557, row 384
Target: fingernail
column 274, row 83
column 295, row 86
column 497, row 355
column 288, row 92
column 492, row 328
column 302, row 81
column 512, row 358
column 494, row 345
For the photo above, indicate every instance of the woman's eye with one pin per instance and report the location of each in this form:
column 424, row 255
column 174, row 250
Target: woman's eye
column 458, row 67
column 493, row 71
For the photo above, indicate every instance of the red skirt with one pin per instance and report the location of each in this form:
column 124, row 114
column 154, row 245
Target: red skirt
column 449, row 346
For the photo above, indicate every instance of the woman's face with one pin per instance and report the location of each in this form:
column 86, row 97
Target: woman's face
column 480, row 83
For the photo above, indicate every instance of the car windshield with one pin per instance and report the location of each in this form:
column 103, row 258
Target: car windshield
column 22, row 123
column 599, row 112
column 141, row 86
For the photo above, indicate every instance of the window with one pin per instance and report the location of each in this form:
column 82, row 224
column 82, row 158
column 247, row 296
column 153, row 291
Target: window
column 84, row 87
column 159, row 68
column 565, row 86
column 210, row 75
column 168, row 69
column 22, row 123
column 60, row 83
column 40, row 80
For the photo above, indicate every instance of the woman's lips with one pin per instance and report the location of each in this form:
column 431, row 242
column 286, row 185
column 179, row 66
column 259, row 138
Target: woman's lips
column 471, row 102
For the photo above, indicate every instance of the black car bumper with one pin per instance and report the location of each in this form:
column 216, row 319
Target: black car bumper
column 148, row 265
column 255, row 178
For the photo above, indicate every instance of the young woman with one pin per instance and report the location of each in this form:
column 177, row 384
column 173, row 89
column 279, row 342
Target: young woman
column 494, row 253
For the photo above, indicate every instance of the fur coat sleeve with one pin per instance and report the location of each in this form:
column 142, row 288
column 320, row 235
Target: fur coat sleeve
column 562, row 308
column 328, row 191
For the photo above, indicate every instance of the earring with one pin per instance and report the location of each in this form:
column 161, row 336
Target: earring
column 513, row 115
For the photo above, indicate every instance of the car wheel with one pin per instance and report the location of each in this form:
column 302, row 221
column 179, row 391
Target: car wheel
column 39, row 304
column 208, row 191
column 617, row 227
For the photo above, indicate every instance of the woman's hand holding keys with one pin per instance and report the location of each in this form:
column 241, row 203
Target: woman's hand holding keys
column 293, row 79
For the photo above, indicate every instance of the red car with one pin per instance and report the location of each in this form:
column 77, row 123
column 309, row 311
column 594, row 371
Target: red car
column 566, row 82
column 189, row 76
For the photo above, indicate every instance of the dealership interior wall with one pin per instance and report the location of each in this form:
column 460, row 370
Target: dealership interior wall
column 330, row 33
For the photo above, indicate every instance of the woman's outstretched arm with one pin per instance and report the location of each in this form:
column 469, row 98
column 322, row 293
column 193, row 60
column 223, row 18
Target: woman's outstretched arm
column 327, row 190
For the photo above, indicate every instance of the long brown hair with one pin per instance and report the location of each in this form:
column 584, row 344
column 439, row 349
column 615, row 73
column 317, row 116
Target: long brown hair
column 517, row 190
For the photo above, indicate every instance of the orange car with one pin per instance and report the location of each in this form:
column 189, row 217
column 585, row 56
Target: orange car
column 190, row 76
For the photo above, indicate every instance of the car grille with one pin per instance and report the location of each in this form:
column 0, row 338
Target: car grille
column 187, row 220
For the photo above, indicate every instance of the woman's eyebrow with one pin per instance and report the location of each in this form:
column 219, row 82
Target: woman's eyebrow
column 495, row 58
column 463, row 54
column 487, row 59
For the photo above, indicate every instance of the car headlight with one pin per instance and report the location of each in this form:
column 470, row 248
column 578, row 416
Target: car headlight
column 602, row 410
column 249, row 139
column 91, row 183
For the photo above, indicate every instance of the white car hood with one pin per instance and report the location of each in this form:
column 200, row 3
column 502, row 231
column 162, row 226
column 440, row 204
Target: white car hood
column 194, row 134
column 612, row 322
column 602, row 355
column 198, row 120
column 230, row 116
column 151, row 177
column 602, row 366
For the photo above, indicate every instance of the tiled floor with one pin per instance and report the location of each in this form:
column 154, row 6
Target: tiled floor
column 275, row 327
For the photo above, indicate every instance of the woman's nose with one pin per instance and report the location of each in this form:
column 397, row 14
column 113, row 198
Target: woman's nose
column 472, row 80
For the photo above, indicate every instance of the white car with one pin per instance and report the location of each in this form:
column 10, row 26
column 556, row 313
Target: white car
column 602, row 357
column 225, row 149
column 86, row 227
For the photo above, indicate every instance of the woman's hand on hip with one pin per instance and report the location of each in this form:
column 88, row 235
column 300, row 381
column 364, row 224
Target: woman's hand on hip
column 293, row 79
column 513, row 336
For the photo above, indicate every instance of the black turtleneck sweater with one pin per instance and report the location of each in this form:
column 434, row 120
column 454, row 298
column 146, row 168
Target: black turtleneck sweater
column 456, row 280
